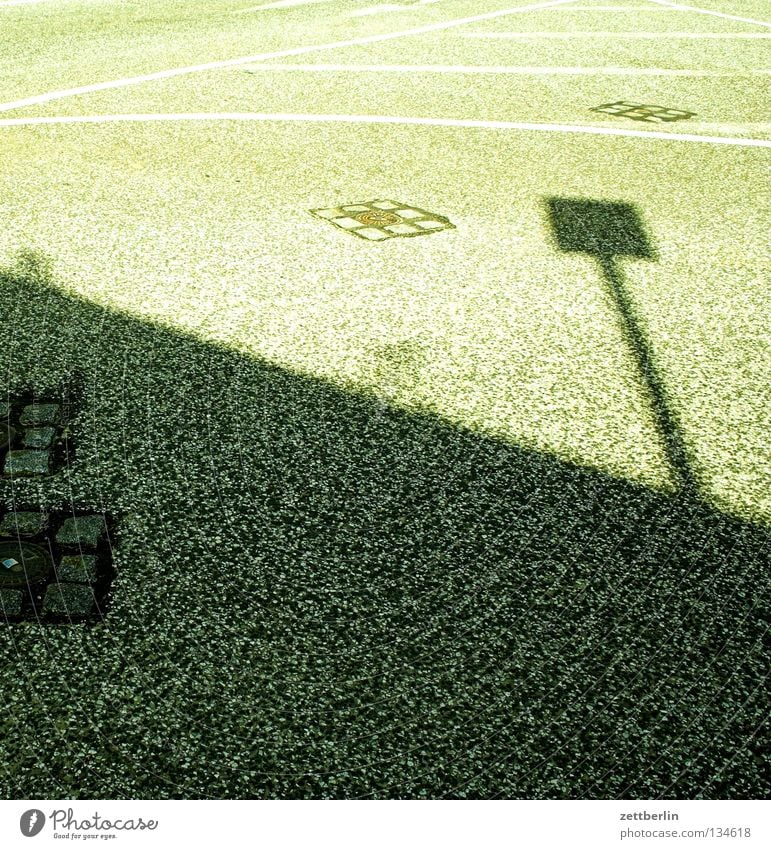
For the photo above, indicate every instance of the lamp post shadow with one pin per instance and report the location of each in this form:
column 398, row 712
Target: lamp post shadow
column 608, row 231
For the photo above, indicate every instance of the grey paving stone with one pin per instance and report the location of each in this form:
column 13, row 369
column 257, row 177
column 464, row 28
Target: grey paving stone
column 347, row 223
column 73, row 599
column 77, row 567
column 40, row 414
column 27, row 463
column 335, row 212
column 401, row 229
column 39, row 437
column 23, row 523
column 372, row 233
column 409, row 213
column 10, row 602
column 82, row 530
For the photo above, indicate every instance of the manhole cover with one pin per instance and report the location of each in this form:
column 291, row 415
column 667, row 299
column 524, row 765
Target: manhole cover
column 643, row 112
column 377, row 220
column 22, row 563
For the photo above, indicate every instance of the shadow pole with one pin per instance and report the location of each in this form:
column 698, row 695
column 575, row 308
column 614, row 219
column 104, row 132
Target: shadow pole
column 641, row 348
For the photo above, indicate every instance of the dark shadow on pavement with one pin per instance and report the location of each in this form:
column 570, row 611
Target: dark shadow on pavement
column 319, row 596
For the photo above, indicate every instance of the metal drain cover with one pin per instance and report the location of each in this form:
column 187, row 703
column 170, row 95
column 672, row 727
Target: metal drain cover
column 377, row 220
column 55, row 566
column 643, row 112
column 23, row 563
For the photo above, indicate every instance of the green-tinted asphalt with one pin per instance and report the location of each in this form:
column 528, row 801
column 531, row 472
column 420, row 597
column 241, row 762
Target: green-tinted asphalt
column 486, row 342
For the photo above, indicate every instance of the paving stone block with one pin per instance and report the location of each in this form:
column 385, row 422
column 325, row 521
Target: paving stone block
column 27, row 462
column 80, row 568
column 71, row 599
column 347, row 223
column 11, row 602
column 23, row 523
column 402, row 229
column 39, row 437
column 86, row 531
column 372, row 233
column 335, row 212
column 40, row 414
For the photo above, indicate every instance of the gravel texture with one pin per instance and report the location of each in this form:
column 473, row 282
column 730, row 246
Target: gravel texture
column 398, row 519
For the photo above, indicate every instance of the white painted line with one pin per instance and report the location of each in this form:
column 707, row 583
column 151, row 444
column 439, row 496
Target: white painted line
column 581, row 129
column 683, row 8
column 617, row 9
column 523, row 70
column 279, row 4
column 295, row 51
column 662, row 36
column 387, row 7
column 377, row 10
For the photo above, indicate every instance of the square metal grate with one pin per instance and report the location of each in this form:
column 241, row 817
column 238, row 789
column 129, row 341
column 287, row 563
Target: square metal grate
column 55, row 566
column 35, row 435
column 378, row 220
column 643, row 112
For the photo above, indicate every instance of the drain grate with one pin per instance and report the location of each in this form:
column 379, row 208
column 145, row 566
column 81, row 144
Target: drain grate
column 643, row 112
column 55, row 566
column 35, row 437
column 378, row 220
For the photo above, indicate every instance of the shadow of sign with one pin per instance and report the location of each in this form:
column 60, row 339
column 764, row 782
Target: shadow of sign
column 606, row 231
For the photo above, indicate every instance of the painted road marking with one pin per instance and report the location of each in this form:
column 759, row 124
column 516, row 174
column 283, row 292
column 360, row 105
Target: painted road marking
column 620, row 9
column 388, row 7
column 581, row 129
column 279, row 4
column 683, row 8
column 294, row 51
column 656, row 35
column 499, row 69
